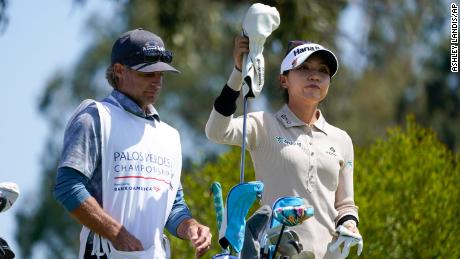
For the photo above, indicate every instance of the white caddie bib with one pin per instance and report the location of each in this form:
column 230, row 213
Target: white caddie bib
column 141, row 168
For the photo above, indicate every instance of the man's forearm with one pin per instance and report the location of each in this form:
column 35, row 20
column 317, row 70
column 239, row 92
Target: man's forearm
column 91, row 214
column 71, row 188
column 183, row 228
column 179, row 213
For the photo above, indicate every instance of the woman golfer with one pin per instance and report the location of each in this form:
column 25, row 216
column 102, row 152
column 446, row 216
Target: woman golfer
column 295, row 151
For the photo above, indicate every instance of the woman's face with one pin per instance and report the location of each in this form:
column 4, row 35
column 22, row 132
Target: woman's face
column 308, row 83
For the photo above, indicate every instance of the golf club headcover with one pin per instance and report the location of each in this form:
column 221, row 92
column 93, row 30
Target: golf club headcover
column 255, row 225
column 290, row 210
column 293, row 215
column 216, row 191
column 5, row 250
column 9, row 192
column 348, row 239
column 289, row 241
column 258, row 23
column 239, row 200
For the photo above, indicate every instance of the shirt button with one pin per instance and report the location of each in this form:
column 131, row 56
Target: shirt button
column 311, row 167
column 312, row 153
column 311, row 143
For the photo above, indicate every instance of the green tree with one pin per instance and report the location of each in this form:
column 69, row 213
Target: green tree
column 406, row 187
column 363, row 101
column 404, row 50
column 436, row 100
column 3, row 16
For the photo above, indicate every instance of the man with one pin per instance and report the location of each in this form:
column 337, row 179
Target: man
column 119, row 173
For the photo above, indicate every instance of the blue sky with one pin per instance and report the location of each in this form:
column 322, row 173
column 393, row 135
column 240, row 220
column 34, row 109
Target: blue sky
column 41, row 37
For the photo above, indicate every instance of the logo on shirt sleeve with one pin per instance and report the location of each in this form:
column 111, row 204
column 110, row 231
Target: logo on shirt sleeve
column 350, row 164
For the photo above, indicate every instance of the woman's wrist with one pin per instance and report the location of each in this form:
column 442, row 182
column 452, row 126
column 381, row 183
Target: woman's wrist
column 235, row 80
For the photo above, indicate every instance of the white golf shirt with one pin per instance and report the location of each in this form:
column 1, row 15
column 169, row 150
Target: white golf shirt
column 292, row 158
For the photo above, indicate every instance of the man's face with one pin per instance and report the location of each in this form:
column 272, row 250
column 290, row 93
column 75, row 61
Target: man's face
column 143, row 88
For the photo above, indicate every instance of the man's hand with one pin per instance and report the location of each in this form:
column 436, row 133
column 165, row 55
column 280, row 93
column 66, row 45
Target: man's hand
column 91, row 214
column 349, row 235
column 198, row 234
column 124, row 241
column 241, row 47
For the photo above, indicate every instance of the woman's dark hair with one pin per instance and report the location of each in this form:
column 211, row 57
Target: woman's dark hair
column 284, row 91
column 291, row 45
column 295, row 43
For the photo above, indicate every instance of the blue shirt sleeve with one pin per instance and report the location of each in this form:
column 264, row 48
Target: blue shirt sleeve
column 82, row 140
column 70, row 189
column 179, row 212
column 81, row 153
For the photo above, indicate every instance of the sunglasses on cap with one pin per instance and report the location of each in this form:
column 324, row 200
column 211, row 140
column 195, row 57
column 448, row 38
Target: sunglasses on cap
column 150, row 56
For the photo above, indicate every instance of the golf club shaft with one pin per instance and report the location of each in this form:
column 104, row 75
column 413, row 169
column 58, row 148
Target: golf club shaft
column 243, row 146
column 279, row 241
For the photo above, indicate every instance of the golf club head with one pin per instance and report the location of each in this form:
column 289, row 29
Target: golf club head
column 255, row 228
column 274, row 233
column 9, row 192
column 5, row 250
column 297, row 245
column 289, row 244
column 304, row 255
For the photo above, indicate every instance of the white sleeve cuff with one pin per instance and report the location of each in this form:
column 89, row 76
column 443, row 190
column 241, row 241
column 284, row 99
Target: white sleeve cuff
column 235, row 81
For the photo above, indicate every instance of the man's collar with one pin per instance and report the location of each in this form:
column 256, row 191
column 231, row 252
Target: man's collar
column 130, row 106
column 289, row 119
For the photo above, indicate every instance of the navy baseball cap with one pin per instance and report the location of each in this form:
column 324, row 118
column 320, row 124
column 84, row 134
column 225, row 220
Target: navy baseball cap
column 142, row 51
